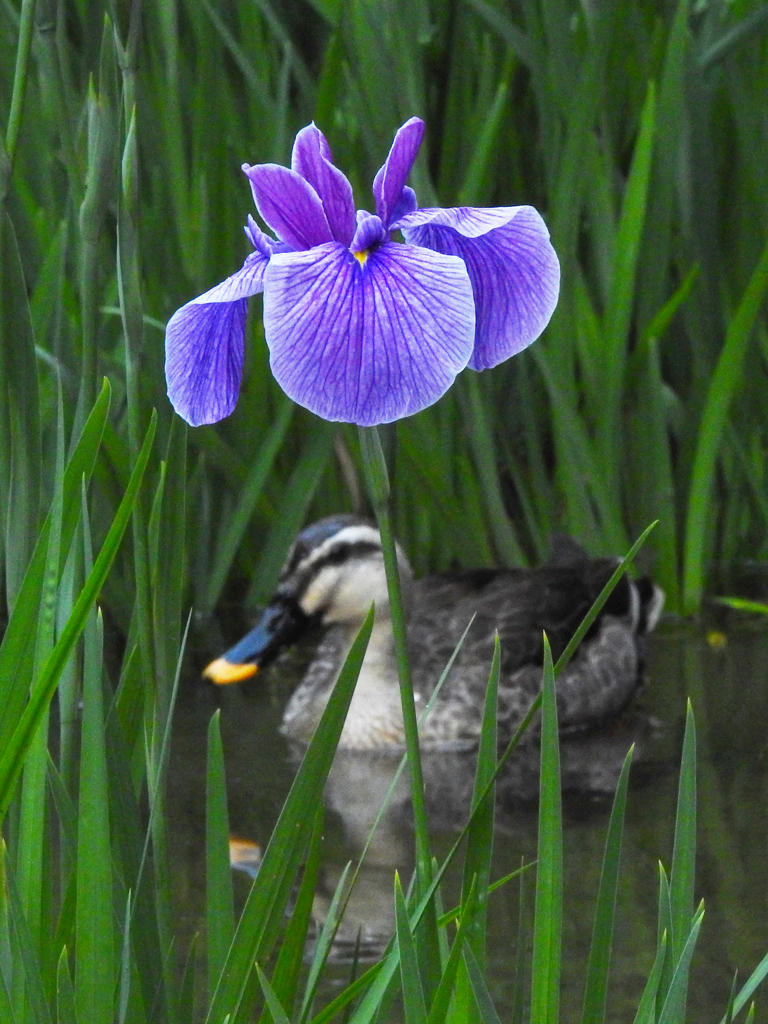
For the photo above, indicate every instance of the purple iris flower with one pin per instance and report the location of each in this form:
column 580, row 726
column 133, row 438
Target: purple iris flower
column 361, row 328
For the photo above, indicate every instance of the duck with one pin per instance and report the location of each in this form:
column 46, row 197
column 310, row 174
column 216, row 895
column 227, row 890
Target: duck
column 334, row 572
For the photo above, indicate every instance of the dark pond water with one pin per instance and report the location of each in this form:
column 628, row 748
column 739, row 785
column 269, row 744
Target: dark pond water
column 725, row 675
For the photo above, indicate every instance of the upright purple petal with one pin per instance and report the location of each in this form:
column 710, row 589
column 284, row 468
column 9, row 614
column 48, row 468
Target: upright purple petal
column 204, row 346
column 370, row 231
column 391, row 178
column 514, row 271
column 289, row 205
column 311, row 159
column 407, row 203
column 367, row 343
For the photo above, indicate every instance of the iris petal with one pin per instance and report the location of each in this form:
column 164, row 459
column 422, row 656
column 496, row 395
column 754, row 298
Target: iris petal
column 311, row 159
column 289, row 205
column 204, row 346
column 514, row 271
column 367, row 344
column 391, row 178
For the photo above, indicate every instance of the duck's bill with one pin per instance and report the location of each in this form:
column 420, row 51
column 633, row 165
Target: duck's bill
column 280, row 625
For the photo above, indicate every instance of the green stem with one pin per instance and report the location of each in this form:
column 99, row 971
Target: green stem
column 26, row 24
column 377, row 480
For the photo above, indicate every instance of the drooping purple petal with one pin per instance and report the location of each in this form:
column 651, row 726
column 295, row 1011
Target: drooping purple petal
column 311, row 159
column 204, row 346
column 367, row 343
column 514, row 271
column 204, row 359
column 289, row 205
column 391, row 178
column 247, row 281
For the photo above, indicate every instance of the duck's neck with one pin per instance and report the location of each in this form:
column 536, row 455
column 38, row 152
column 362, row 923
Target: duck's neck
column 375, row 716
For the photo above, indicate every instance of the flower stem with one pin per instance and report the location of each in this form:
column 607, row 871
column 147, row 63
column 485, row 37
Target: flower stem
column 377, row 480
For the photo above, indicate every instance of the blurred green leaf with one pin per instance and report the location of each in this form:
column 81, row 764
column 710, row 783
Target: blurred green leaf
column 45, row 686
column 598, row 967
column 262, row 915
column 548, row 914
column 413, row 994
column 218, row 873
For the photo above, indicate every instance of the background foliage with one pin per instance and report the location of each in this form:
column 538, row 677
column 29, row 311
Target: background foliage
column 640, row 132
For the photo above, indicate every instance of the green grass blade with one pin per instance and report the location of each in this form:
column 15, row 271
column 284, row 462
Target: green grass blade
column 479, row 853
column 682, row 877
column 755, row 979
column 548, row 914
column 733, row 37
column 65, row 993
column 45, row 686
column 722, row 387
column 124, row 987
column 263, row 911
column 729, row 1013
column 16, row 652
column 323, row 944
column 488, row 1014
column 20, row 453
column 299, row 492
column 619, row 312
column 598, row 966
column 28, row 960
column 514, row 37
column 664, row 931
column 279, row 1016
column 95, row 939
column 413, row 993
column 290, row 962
column 602, row 597
column 218, row 874
column 646, row 1009
column 237, row 524
column 6, row 1009
column 442, row 998
column 674, row 1005
column 481, row 436
column 517, row 1012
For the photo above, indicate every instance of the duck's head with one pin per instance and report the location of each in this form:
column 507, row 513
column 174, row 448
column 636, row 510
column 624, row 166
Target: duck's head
column 333, row 573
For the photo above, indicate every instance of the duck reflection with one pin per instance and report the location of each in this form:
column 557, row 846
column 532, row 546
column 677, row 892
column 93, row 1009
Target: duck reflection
column 360, row 781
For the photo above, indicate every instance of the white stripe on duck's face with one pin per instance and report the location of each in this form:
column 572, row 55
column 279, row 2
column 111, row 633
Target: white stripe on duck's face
column 345, row 575
column 344, row 593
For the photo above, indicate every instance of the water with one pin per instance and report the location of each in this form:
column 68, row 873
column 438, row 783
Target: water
column 728, row 685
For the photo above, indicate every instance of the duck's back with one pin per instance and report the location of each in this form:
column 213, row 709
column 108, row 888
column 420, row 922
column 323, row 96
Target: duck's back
column 521, row 605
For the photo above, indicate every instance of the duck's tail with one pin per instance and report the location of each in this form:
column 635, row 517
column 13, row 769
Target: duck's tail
column 647, row 604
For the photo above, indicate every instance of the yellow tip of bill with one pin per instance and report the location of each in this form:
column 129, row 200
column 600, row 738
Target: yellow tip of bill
column 222, row 672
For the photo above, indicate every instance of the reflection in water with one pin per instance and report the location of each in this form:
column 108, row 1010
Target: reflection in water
column 729, row 689
column 360, row 781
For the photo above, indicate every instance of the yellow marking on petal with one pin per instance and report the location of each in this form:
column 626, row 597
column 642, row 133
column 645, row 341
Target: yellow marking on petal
column 222, row 672
column 361, row 256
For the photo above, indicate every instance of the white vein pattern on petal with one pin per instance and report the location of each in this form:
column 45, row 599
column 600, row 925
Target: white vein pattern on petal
column 290, row 205
column 248, row 280
column 204, row 359
column 422, row 314
column 366, row 350
column 469, row 221
column 515, row 279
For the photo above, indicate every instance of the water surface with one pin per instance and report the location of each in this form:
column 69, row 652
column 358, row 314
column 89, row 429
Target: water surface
column 728, row 684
